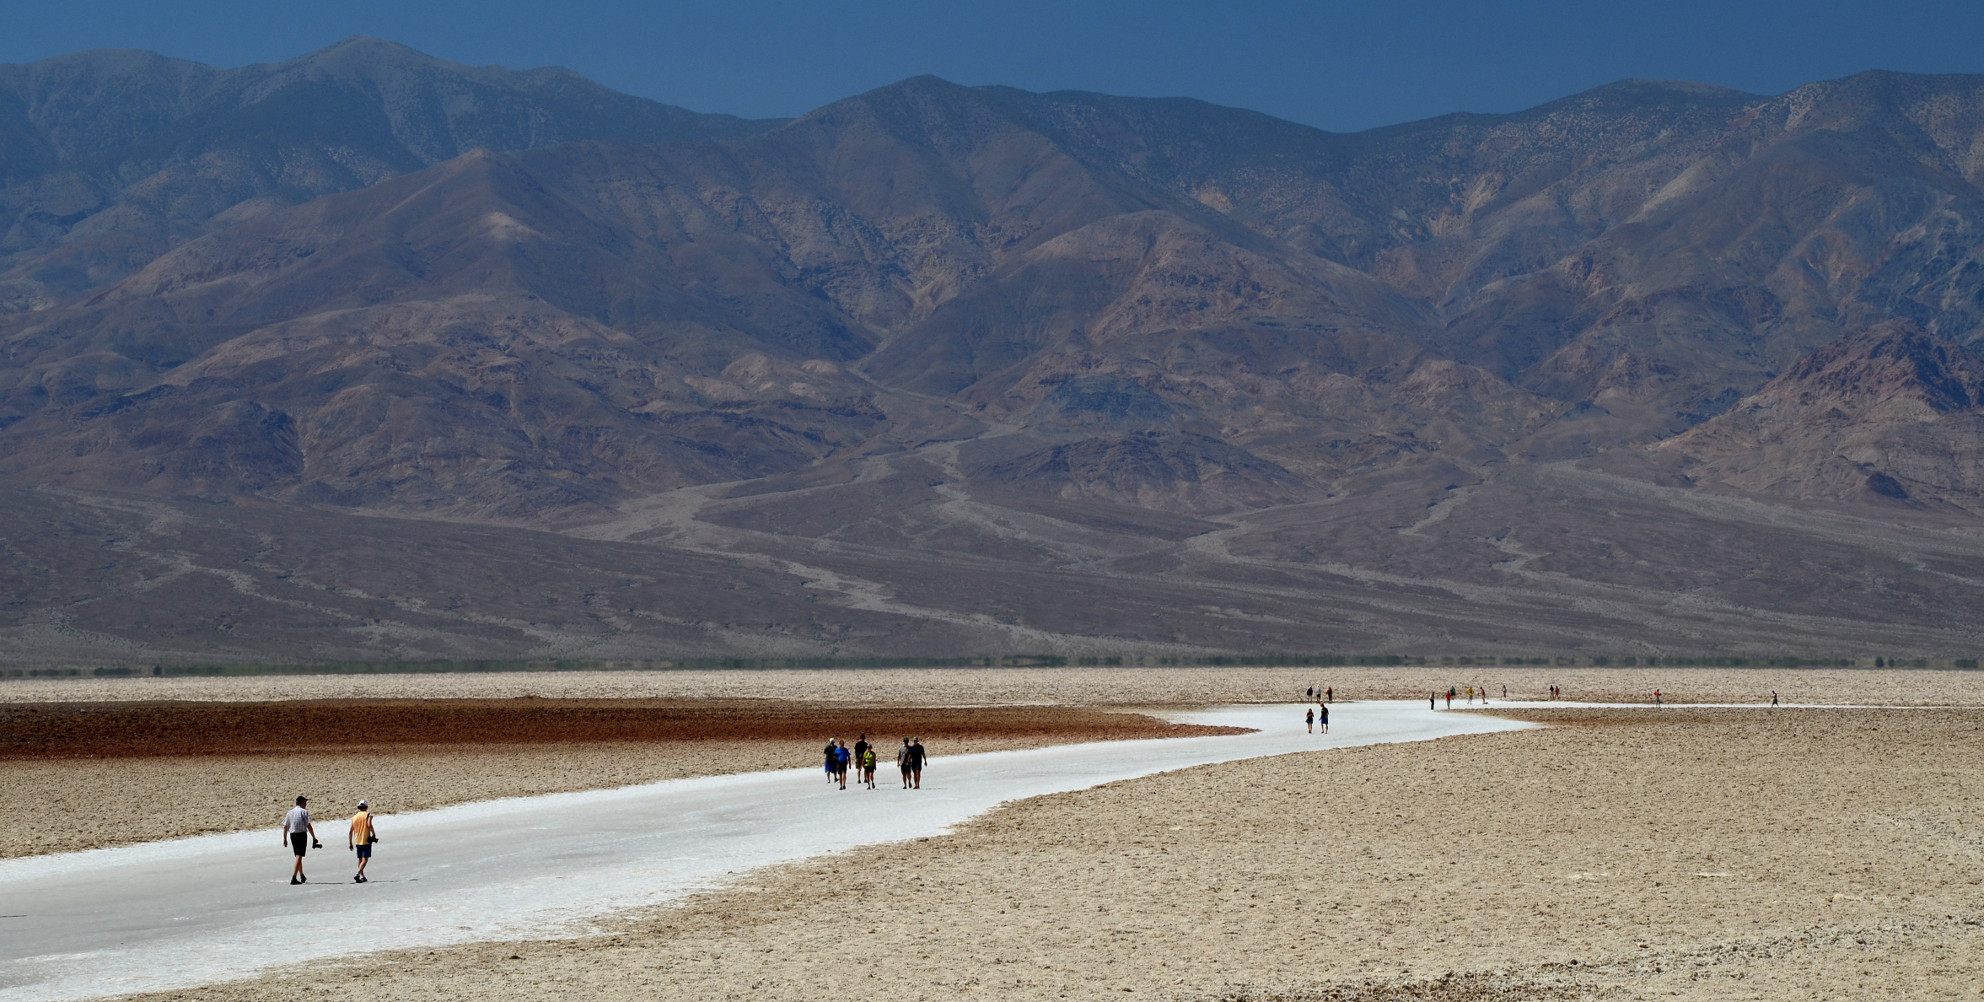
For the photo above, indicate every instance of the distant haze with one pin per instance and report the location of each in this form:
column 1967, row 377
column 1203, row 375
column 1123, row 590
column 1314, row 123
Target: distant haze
column 1337, row 65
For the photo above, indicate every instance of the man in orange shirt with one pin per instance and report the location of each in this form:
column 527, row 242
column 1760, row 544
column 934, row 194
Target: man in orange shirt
column 360, row 838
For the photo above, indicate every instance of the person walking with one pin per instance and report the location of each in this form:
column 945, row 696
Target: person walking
column 860, row 753
column 917, row 757
column 833, row 757
column 1323, row 718
column 300, row 835
column 1432, row 700
column 868, row 766
column 360, row 838
column 1450, row 698
column 1310, row 719
column 1656, row 697
column 1773, row 697
column 902, row 762
column 841, row 758
column 1329, row 695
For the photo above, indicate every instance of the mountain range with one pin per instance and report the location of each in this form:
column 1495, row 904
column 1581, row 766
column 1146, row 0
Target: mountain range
column 1656, row 368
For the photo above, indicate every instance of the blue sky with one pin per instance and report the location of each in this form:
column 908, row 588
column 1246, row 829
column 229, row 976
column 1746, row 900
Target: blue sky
column 1335, row 65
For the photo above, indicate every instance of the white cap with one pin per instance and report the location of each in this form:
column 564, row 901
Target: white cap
column 362, row 804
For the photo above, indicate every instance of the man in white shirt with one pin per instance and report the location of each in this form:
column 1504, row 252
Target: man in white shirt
column 299, row 834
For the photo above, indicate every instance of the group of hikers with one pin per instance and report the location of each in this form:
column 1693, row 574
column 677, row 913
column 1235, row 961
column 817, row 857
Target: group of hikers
column 1433, row 700
column 1469, row 693
column 300, row 835
column 1320, row 713
column 1556, row 692
column 840, row 758
column 299, row 832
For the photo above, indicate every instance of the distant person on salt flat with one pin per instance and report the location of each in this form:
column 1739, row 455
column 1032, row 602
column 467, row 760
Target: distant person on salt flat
column 1323, row 718
column 1310, row 719
column 841, row 757
column 860, row 752
column 902, row 762
column 1329, row 695
column 917, row 757
column 1773, row 697
column 360, row 838
column 300, row 835
column 868, row 766
column 1433, row 701
column 833, row 757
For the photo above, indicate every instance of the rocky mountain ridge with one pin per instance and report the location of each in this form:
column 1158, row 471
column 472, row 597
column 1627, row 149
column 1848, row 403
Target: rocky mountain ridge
column 1136, row 346
column 1891, row 413
column 109, row 158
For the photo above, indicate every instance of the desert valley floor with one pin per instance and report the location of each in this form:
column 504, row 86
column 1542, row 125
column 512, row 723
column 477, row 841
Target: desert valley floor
column 1619, row 852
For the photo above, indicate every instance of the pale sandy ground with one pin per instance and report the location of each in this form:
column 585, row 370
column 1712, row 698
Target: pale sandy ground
column 1698, row 854
column 55, row 806
column 1070, row 686
column 58, row 806
column 67, row 804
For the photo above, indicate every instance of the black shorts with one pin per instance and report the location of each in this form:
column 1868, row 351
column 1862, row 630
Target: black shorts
column 300, row 842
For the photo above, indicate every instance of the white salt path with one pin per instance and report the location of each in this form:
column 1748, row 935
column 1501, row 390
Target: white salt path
column 196, row 911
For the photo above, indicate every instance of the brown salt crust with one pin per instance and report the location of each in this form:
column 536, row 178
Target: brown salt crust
column 1088, row 686
column 174, row 729
column 1715, row 855
column 88, row 791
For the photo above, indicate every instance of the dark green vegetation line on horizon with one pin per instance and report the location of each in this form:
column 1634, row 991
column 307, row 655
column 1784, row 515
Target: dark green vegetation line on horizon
column 1009, row 661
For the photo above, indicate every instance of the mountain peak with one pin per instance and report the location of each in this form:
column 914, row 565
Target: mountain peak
column 366, row 55
column 1639, row 94
column 362, row 57
column 367, row 45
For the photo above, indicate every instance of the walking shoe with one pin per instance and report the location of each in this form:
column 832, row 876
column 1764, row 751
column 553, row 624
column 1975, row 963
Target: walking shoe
column 293, row 881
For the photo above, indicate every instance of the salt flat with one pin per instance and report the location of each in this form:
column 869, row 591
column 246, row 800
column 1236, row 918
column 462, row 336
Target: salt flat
column 194, row 911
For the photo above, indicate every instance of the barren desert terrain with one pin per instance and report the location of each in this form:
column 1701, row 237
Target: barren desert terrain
column 90, row 774
column 641, row 727
column 1622, row 854
column 1083, row 686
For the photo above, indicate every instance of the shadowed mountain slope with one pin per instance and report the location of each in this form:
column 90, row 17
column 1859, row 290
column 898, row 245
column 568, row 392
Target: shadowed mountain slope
column 1892, row 413
column 1048, row 371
